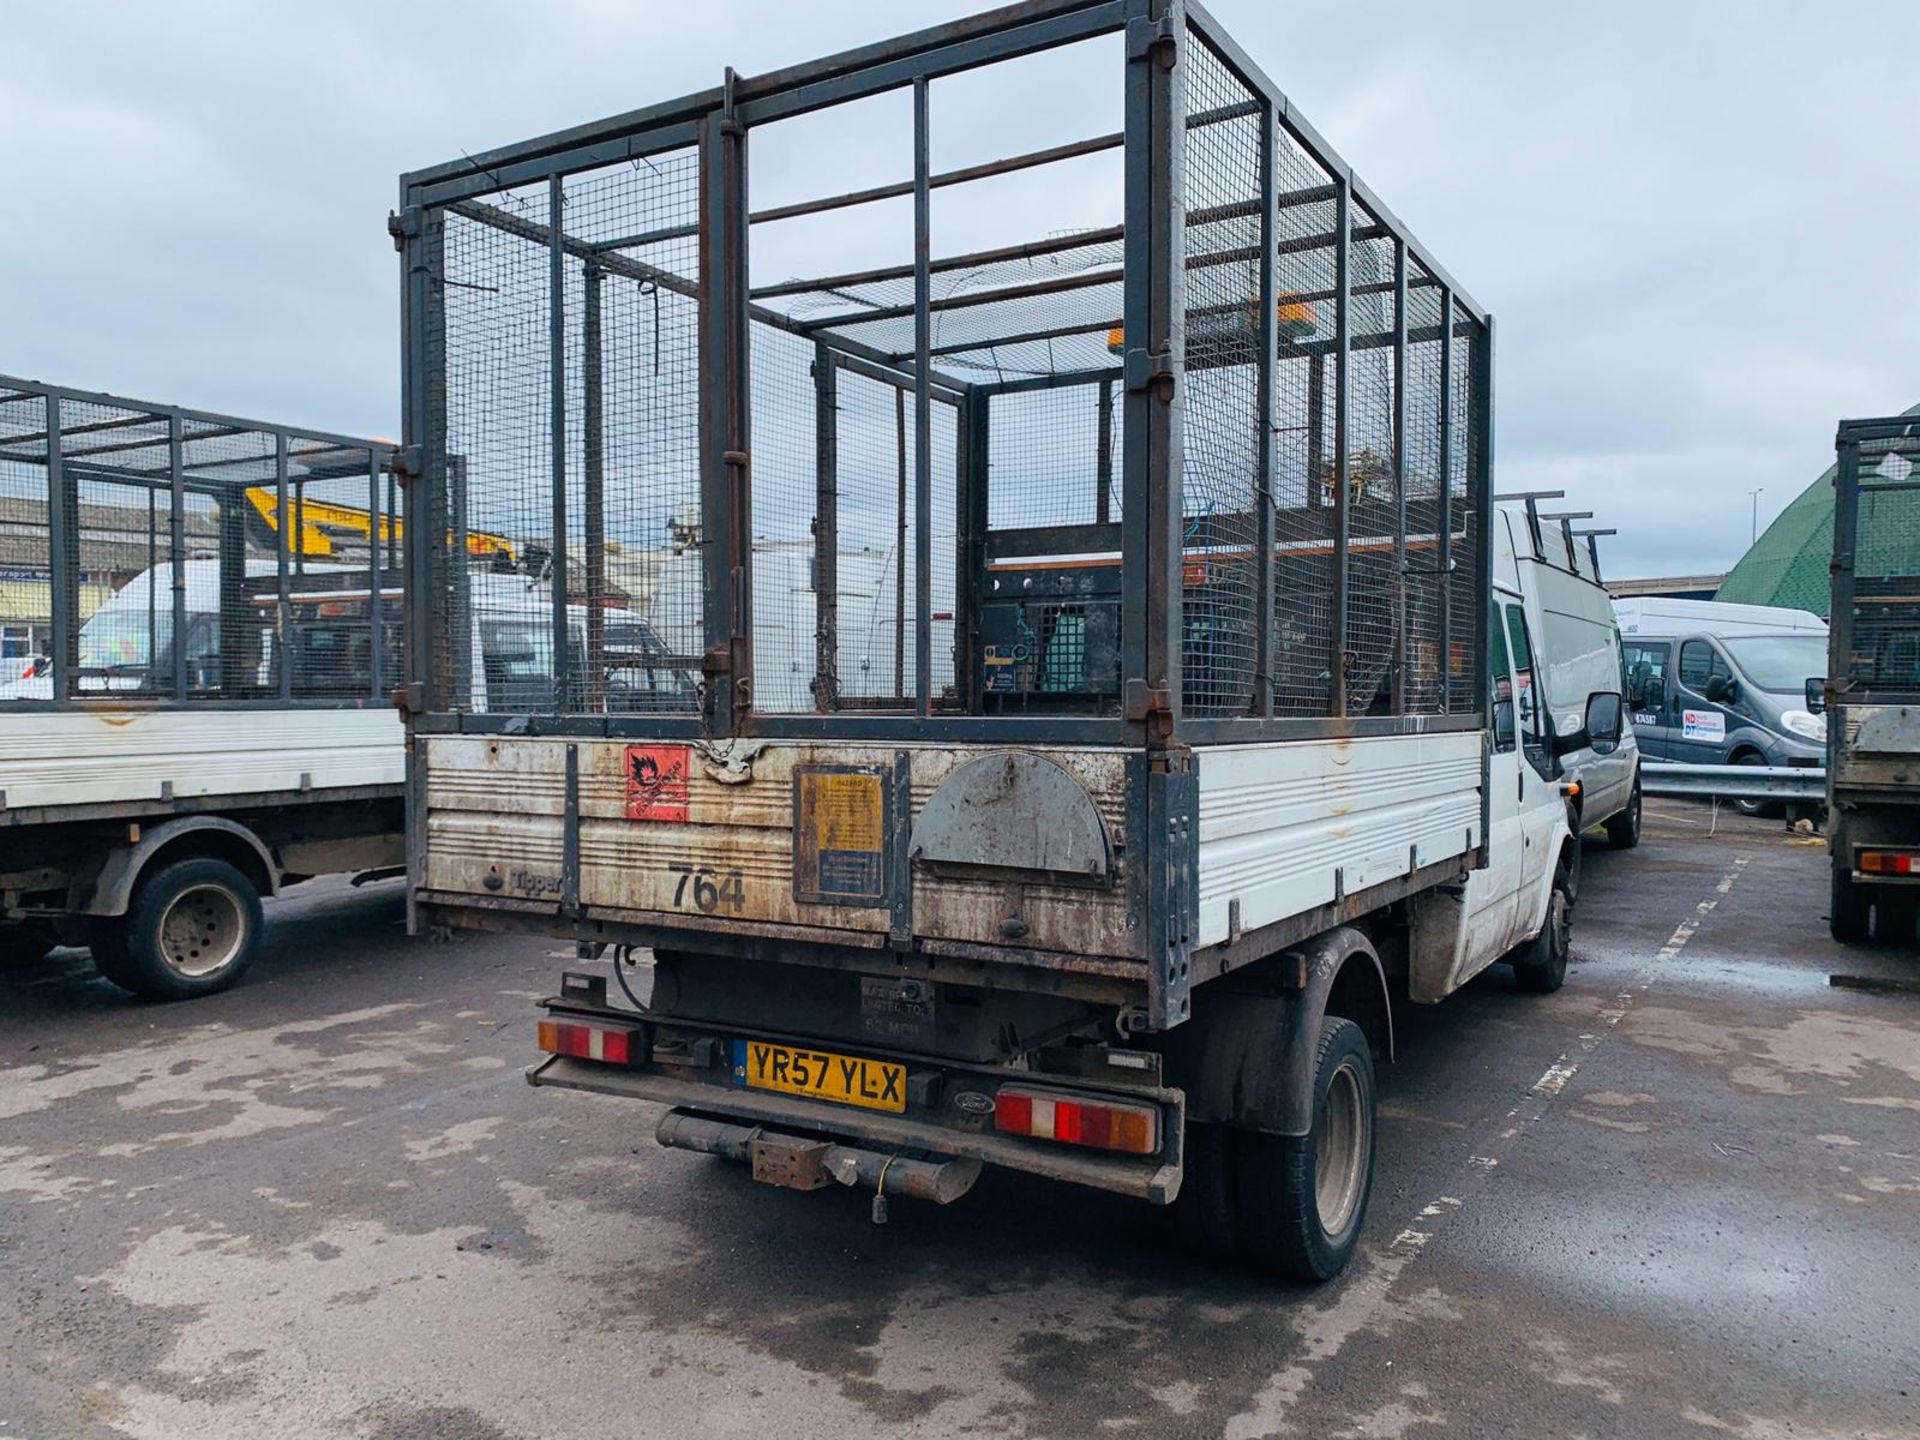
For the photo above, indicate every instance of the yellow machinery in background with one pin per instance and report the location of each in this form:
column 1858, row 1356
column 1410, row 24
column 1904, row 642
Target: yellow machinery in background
column 313, row 519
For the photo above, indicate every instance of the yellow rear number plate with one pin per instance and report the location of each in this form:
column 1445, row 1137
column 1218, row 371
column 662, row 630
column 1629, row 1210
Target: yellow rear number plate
column 821, row 1075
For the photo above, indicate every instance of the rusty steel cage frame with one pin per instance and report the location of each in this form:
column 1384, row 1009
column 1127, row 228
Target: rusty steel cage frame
column 210, row 484
column 1369, row 562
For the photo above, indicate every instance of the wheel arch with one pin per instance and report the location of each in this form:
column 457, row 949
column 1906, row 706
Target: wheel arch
column 1246, row 1059
column 109, row 890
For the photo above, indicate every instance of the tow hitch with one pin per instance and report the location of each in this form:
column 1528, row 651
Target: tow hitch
column 801, row 1162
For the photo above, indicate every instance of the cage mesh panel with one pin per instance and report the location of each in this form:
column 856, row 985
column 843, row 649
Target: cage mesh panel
column 876, row 646
column 337, row 534
column 1303, row 438
column 785, row 491
column 1463, row 590
column 26, row 555
column 648, row 441
column 1373, row 520
column 976, row 331
column 1886, row 594
column 1043, row 457
column 494, row 297
column 1426, row 685
column 1219, row 608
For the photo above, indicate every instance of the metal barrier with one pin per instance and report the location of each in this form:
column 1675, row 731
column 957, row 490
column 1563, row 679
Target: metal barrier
column 1733, row 782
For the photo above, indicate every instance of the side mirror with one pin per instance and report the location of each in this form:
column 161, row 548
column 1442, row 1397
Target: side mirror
column 1816, row 695
column 1719, row 689
column 1605, row 721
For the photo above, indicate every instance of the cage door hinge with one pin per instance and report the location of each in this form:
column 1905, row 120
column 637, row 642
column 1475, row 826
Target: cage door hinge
column 1147, row 369
column 405, row 225
column 1153, row 40
column 408, row 699
column 406, row 463
column 1143, row 701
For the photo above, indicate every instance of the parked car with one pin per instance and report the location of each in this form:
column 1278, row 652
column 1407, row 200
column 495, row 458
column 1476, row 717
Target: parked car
column 1716, row 684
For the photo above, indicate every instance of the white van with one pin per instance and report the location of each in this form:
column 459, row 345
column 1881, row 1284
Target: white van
column 1571, row 620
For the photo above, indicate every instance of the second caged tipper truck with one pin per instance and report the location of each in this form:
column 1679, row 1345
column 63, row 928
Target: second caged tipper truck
column 1191, row 737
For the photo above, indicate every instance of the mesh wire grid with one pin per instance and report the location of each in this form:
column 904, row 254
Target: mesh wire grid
column 184, row 603
column 1886, row 593
column 1219, row 602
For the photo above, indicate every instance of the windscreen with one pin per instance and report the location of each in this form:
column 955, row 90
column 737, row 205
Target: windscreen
column 1780, row 663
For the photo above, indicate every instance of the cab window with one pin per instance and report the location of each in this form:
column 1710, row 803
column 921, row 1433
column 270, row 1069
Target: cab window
column 1699, row 663
column 1502, row 674
column 1529, row 692
column 1646, row 678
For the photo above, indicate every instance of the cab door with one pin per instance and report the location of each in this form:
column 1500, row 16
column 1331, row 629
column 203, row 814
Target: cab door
column 1490, row 891
column 1649, row 665
column 1700, row 726
column 1540, row 807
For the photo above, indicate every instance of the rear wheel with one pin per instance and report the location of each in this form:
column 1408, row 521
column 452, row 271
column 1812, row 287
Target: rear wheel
column 1623, row 830
column 192, row 929
column 1301, row 1199
column 1541, row 964
column 1848, row 905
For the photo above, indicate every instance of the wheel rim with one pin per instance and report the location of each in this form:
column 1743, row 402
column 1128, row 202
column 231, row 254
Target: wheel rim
column 1339, row 1150
column 202, row 930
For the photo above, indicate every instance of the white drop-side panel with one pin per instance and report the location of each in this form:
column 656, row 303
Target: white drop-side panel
column 96, row 757
column 1279, row 822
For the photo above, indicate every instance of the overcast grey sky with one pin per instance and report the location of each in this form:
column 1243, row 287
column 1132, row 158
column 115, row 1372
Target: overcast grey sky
column 1690, row 219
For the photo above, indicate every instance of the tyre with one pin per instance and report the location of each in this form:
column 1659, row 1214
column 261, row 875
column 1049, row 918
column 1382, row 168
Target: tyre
column 192, row 929
column 1623, row 830
column 1894, row 915
column 1200, row 1222
column 1301, row 1199
column 1848, row 905
column 1540, row 966
column 1770, row 809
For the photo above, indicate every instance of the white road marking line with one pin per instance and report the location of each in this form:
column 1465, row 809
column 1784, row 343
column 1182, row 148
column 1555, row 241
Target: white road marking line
column 1328, row 1331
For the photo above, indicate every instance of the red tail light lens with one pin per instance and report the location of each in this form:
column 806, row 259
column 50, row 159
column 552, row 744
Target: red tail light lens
column 1074, row 1120
column 610, row 1044
column 1887, row 862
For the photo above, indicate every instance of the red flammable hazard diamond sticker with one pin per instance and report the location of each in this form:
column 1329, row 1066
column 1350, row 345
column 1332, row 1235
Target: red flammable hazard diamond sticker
column 657, row 782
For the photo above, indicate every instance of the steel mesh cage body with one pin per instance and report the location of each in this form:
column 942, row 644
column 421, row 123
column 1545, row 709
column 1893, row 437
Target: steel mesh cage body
column 161, row 556
column 1208, row 457
column 1875, row 622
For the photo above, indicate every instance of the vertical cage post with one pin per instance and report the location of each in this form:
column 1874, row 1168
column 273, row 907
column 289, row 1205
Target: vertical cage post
column 900, row 543
column 63, row 607
column 177, row 549
column 557, row 417
column 1154, row 324
column 460, row 556
column 1444, row 561
column 1342, row 406
column 826, row 528
column 594, row 479
column 726, row 485
column 1399, row 477
column 975, row 416
column 1846, row 531
column 1480, row 508
column 376, row 546
column 1103, row 457
column 922, row 406
column 283, row 608
column 1265, row 440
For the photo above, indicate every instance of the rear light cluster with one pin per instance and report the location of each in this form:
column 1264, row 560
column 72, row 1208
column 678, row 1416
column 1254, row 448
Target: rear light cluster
column 611, row 1044
column 1070, row 1120
column 1889, row 862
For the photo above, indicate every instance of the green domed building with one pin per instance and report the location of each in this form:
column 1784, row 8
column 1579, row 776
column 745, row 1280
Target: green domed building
column 1787, row 565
